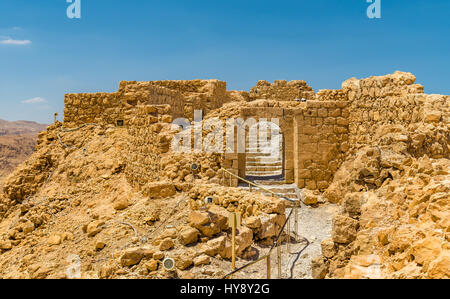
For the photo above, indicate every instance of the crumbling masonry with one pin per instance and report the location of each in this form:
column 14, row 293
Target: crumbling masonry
column 319, row 129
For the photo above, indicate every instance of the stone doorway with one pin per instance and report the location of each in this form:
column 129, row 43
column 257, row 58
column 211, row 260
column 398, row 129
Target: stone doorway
column 264, row 152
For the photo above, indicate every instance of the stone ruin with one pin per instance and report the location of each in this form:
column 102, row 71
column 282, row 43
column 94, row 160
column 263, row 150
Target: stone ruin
column 378, row 147
column 318, row 133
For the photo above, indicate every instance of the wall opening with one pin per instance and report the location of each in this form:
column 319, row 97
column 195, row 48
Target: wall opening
column 265, row 157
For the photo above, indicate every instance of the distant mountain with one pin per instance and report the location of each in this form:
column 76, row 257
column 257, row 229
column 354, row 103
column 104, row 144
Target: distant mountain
column 20, row 127
column 17, row 143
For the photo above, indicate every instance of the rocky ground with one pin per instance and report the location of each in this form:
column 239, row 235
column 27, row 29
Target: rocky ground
column 314, row 226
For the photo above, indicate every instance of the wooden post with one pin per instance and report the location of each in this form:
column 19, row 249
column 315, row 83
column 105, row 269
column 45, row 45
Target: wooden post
column 268, row 267
column 234, row 221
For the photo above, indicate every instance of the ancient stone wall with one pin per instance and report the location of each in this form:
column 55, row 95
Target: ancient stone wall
column 205, row 95
column 108, row 108
column 146, row 143
column 377, row 101
column 92, row 108
column 134, row 93
column 321, row 137
column 281, row 90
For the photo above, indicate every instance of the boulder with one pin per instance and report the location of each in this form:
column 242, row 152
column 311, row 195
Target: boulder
column 440, row 268
column 329, row 249
column 319, row 268
column 166, row 244
column 214, row 246
column 202, row 260
column 344, row 229
column 253, row 222
column 121, row 204
column 310, row 198
column 159, row 190
column 203, row 222
column 352, row 204
column 219, row 216
column 188, row 235
column 244, row 239
column 54, row 239
column 169, row 233
column 151, row 265
column 5, row 245
column 426, row 251
column 131, row 257
column 94, row 228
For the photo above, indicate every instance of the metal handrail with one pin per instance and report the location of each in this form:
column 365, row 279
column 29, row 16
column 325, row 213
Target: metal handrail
column 276, row 242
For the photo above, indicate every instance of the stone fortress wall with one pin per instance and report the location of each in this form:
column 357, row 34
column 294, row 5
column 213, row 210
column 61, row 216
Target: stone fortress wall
column 281, row 90
column 318, row 133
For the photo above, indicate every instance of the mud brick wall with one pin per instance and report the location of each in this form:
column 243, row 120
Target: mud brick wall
column 321, row 132
column 281, row 90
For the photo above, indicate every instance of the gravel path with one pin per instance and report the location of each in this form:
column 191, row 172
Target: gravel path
column 314, row 226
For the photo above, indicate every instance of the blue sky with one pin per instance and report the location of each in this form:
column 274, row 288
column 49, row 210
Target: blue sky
column 44, row 54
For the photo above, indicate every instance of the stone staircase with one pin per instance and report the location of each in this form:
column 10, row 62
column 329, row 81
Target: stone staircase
column 264, row 167
column 264, row 162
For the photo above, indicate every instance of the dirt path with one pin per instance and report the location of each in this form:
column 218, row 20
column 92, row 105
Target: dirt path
column 314, row 227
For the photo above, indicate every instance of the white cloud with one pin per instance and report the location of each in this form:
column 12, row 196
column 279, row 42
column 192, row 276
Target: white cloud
column 10, row 41
column 34, row 101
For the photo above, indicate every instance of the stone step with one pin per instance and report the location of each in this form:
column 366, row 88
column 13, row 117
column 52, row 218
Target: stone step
column 263, row 168
column 263, row 164
column 269, row 183
column 263, row 173
column 252, row 155
column 264, row 160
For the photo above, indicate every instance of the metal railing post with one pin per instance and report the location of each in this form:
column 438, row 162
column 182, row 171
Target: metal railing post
column 296, row 220
column 289, row 236
column 279, row 260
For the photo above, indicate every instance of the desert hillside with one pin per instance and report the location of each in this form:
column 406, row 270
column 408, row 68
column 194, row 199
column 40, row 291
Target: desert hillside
column 17, row 142
column 20, row 127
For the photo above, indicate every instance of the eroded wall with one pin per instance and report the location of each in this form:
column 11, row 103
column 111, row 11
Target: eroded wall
column 281, row 90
